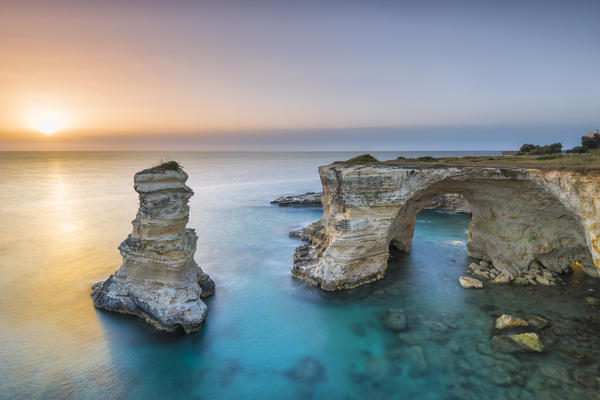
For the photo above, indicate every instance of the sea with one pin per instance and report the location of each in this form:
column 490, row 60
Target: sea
column 267, row 335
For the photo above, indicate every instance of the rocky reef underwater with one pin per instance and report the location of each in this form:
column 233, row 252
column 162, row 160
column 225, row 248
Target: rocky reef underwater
column 499, row 341
column 522, row 332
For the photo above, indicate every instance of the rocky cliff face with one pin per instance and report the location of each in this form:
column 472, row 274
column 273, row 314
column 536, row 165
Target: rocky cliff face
column 445, row 202
column 522, row 219
column 452, row 202
column 159, row 280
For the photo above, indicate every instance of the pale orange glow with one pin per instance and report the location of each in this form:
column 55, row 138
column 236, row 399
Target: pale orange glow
column 46, row 121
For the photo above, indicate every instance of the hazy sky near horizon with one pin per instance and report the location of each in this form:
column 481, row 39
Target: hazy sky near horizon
column 297, row 74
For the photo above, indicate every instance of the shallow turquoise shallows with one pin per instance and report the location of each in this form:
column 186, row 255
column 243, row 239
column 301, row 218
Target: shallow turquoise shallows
column 267, row 335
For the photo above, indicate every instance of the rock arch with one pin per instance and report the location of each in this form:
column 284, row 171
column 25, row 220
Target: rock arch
column 518, row 216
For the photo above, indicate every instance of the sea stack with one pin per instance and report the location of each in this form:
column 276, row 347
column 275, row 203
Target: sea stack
column 159, row 280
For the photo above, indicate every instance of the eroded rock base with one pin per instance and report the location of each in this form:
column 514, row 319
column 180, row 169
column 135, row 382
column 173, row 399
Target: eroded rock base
column 159, row 280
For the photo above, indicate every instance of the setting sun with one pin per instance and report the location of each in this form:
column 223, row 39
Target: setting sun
column 46, row 121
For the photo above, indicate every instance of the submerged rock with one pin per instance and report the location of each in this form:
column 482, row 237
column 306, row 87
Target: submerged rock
column 417, row 359
column 159, row 280
column 575, row 357
column 307, row 371
column 592, row 300
column 538, row 322
column 522, row 342
column 506, row 321
column 467, row 282
column 395, row 320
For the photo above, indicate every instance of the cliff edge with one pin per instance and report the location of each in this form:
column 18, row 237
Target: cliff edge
column 524, row 220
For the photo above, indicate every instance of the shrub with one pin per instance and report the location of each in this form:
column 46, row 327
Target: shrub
column 164, row 166
column 590, row 142
column 527, row 148
column 361, row 159
column 576, row 149
column 169, row 165
column 401, row 158
column 538, row 150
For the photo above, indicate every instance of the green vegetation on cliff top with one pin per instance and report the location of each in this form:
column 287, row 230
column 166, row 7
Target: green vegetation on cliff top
column 589, row 160
column 364, row 158
column 164, row 166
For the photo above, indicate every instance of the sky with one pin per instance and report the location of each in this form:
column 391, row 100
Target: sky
column 297, row 75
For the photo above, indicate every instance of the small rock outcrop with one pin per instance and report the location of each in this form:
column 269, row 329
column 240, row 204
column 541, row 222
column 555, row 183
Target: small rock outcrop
column 306, row 199
column 452, row 202
column 506, row 321
column 468, row 283
column 532, row 274
column 159, row 280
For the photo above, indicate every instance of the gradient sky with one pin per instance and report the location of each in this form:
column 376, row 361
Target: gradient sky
column 387, row 75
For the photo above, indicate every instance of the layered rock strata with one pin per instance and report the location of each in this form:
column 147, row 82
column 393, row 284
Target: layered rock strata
column 521, row 217
column 444, row 202
column 452, row 202
column 306, row 199
column 159, row 280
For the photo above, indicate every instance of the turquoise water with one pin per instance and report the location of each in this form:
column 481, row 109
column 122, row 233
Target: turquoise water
column 268, row 336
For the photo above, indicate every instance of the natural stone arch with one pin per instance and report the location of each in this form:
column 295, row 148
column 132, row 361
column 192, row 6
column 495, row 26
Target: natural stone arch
column 367, row 207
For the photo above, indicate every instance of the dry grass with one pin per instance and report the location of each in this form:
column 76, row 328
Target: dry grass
column 547, row 161
column 573, row 161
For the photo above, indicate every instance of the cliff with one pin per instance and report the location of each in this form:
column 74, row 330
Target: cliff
column 522, row 219
column 159, row 280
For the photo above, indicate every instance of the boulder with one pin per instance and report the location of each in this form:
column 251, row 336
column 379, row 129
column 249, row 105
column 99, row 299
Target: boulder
column 395, row 320
column 481, row 275
column 519, row 281
column 592, row 300
column 502, row 278
column 542, row 281
column 477, row 267
column 522, row 342
column 467, row 282
column 506, row 321
column 538, row 322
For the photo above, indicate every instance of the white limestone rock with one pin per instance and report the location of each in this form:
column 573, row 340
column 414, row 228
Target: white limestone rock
column 520, row 215
column 159, row 280
column 506, row 321
column 467, row 282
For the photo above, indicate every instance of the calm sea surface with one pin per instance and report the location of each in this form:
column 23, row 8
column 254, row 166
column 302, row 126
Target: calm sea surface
column 267, row 336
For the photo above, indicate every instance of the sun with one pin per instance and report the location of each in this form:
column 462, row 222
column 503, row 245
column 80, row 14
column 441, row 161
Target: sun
column 47, row 121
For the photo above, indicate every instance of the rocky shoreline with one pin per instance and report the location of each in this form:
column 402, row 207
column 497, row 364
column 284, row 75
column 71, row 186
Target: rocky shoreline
column 451, row 202
column 530, row 225
column 159, row 281
column 535, row 274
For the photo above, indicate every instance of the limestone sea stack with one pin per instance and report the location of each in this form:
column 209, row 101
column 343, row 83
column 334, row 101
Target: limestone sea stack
column 159, row 280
